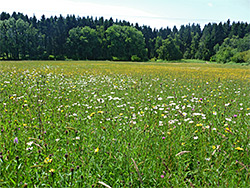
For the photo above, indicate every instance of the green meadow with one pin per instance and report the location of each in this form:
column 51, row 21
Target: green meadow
column 124, row 124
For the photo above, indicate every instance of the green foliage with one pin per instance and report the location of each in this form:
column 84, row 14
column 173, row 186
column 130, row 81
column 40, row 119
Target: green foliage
column 169, row 50
column 27, row 38
column 83, row 43
column 124, row 42
column 224, row 55
column 18, row 40
column 51, row 57
column 115, row 58
column 241, row 57
column 153, row 59
column 233, row 49
column 135, row 58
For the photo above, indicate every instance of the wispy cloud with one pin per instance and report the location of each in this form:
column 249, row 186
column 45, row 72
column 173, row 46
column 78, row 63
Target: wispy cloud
column 210, row 4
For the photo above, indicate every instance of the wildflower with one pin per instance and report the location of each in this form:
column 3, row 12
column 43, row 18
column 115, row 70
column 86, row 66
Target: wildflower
column 235, row 115
column 52, row 170
column 30, row 143
column 184, row 114
column 96, row 150
column 198, row 125
column 196, row 137
column 227, row 130
column 214, row 147
column 162, row 176
column 163, row 138
column 47, row 160
column 239, row 148
column 16, row 140
column 93, row 113
column 30, row 148
column 214, row 113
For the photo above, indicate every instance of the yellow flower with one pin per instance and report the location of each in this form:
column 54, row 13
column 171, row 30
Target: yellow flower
column 52, row 170
column 213, row 147
column 198, row 125
column 93, row 113
column 239, row 148
column 227, row 130
column 47, row 160
column 100, row 112
column 96, row 150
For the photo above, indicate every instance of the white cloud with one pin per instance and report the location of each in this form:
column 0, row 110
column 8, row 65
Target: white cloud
column 210, row 4
column 65, row 7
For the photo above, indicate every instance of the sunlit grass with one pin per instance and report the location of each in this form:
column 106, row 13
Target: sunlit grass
column 124, row 124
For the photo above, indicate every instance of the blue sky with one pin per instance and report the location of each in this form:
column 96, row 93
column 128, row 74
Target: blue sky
column 156, row 13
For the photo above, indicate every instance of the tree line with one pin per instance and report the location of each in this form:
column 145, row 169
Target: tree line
column 88, row 38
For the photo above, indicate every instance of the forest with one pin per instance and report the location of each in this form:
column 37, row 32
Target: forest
column 88, row 38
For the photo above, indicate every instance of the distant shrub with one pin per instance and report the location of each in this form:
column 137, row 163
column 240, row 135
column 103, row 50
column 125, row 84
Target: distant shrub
column 115, row 58
column 241, row 57
column 153, row 59
column 51, row 57
column 135, row 58
column 246, row 56
column 60, row 57
column 237, row 58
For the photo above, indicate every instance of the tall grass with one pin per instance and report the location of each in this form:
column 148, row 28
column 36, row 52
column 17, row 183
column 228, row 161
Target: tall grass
column 83, row 124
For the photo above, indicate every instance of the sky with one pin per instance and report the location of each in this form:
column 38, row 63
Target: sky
column 155, row 13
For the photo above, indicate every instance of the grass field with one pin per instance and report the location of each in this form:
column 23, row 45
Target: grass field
column 83, row 124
